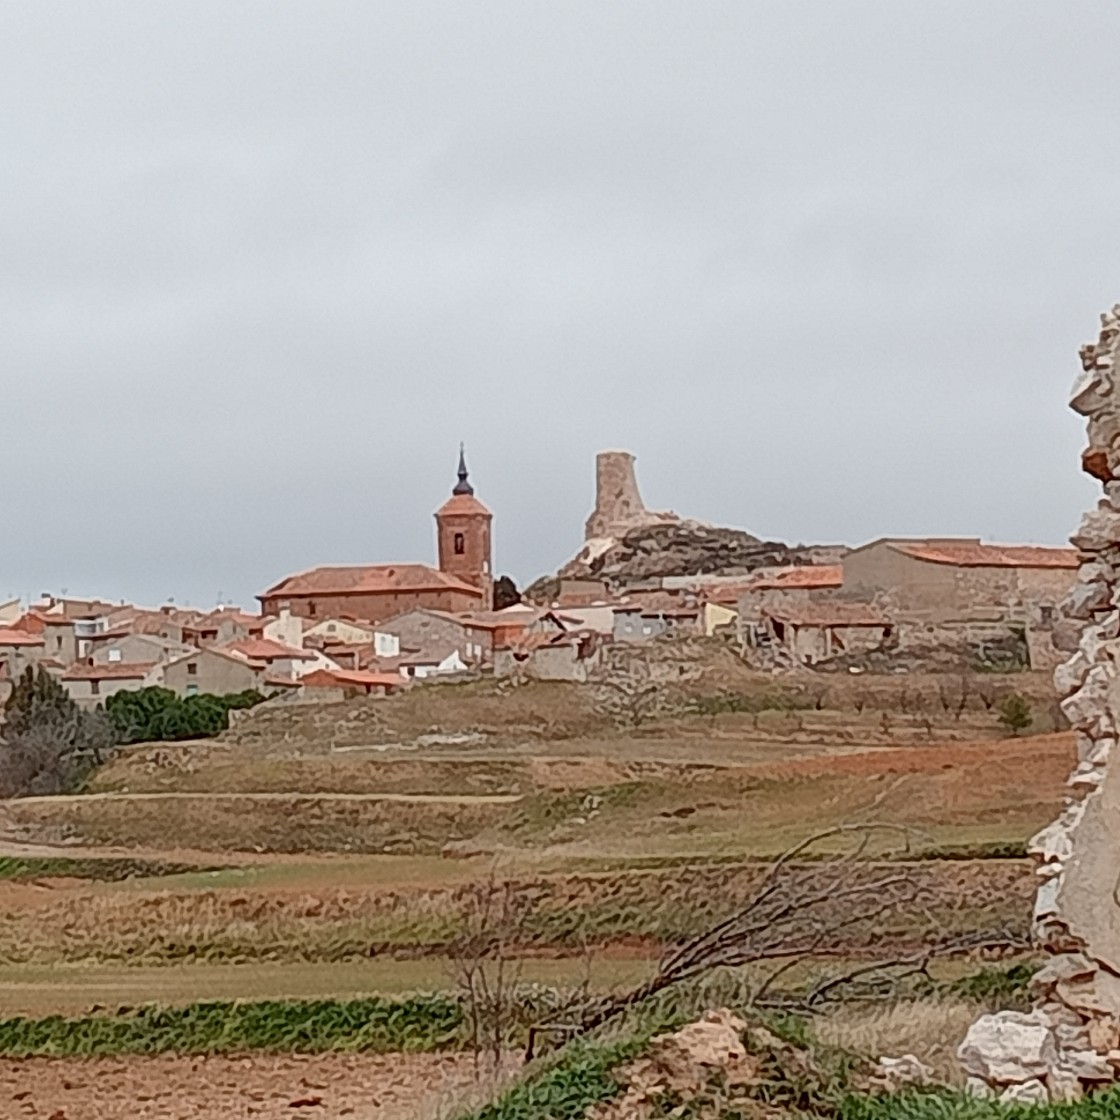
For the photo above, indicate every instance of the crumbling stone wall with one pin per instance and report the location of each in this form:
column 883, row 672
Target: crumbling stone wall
column 1070, row 1042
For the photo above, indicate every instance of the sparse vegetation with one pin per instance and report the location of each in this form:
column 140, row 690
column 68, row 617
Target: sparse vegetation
column 308, row 1026
column 1015, row 713
column 48, row 745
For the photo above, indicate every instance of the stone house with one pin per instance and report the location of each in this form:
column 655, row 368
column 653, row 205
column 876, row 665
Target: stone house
column 810, row 633
column 212, row 670
column 280, row 661
column 419, row 631
column 951, row 578
column 20, row 650
column 636, row 623
column 60, row 634
column 89, row 684
column 137, row 649
column 343, row 631
column 551, row 657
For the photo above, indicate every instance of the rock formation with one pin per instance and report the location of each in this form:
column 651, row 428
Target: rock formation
column 1070, row 1041
column 626, row 543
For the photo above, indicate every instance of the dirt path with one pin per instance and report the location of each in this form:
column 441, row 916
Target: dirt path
column 408, row 798
column 321, row 1087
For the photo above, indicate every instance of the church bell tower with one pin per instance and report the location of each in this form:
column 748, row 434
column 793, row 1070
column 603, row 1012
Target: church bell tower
column 463, row 536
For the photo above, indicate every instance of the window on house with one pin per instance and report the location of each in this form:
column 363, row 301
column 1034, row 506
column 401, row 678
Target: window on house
column 114, row 655
column 192, row 690
column 192, row 669
column 460, row 544
column 311, row 608
column 95, row 688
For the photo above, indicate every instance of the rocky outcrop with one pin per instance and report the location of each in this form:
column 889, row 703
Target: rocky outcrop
column 1070, row 1042
column 627, row 544
column 684, row 548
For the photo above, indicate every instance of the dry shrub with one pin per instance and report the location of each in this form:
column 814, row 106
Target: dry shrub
column 931, row 1028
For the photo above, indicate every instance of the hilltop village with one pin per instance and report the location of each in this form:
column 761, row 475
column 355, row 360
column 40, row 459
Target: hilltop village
column 641, row 577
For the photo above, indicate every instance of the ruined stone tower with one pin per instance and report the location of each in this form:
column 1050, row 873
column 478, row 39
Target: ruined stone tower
column 618, row 504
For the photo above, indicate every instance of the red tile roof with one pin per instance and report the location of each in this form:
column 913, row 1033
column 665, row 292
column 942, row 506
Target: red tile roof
column 265, row 649
column 113, row 671
column 340, row 678
column 971, row 555
column 805, row 576
column 369, row 579
column 10, row 637
column 463, row 504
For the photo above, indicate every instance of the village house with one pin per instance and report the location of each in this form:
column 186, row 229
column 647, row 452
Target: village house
column 279, row 660
column 341, row 631
column 809, row 633
column 420, row 630
column 949, row 578
column 342, row 684
column 635, row 623
column 212, row 670
column 544, row 656
column 61, row 635
column 433, row 662
column 783, row 587
column 20, row 650
column 375, row 593
column 135, row 649
column 90, row 684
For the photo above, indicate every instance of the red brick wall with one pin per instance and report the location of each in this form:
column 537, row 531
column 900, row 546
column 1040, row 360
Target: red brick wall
column 377, row 607
column 473, row 564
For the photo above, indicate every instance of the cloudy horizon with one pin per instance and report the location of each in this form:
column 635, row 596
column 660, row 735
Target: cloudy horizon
column 823, row 267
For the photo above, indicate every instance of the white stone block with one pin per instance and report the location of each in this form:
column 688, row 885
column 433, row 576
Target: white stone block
column 1008, row 1047
column 1025, row 1092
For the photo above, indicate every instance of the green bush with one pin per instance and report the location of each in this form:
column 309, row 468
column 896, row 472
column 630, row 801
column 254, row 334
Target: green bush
column 419, row 1023
column 150, row 715
column 1015, row 713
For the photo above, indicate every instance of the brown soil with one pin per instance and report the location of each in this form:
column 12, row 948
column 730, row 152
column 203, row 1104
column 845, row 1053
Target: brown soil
column 322, row 1087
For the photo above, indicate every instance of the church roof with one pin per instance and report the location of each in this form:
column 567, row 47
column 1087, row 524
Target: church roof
column 462, row 500
column 367, row 579
column 463, row 504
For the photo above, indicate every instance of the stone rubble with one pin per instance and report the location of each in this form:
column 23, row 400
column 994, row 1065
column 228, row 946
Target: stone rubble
column 1070, row 1042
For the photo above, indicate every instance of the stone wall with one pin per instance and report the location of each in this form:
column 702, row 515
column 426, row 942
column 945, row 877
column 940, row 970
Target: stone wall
column 1070, row 1042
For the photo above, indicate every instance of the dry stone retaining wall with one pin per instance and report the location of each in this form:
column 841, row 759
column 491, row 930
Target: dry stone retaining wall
column 1070, row 1042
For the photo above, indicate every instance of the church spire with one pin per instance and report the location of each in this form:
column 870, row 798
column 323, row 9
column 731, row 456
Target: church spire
column 463, row 486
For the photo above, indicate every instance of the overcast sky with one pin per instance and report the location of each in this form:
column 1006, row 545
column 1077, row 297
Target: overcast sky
column 822, row 266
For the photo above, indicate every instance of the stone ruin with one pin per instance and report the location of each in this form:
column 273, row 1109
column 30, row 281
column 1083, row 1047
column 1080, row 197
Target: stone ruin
column 1070, row 1042
column 618, row 503
column 627, row 544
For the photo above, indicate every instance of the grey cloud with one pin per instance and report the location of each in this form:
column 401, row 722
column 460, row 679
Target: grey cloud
column 823, row 266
